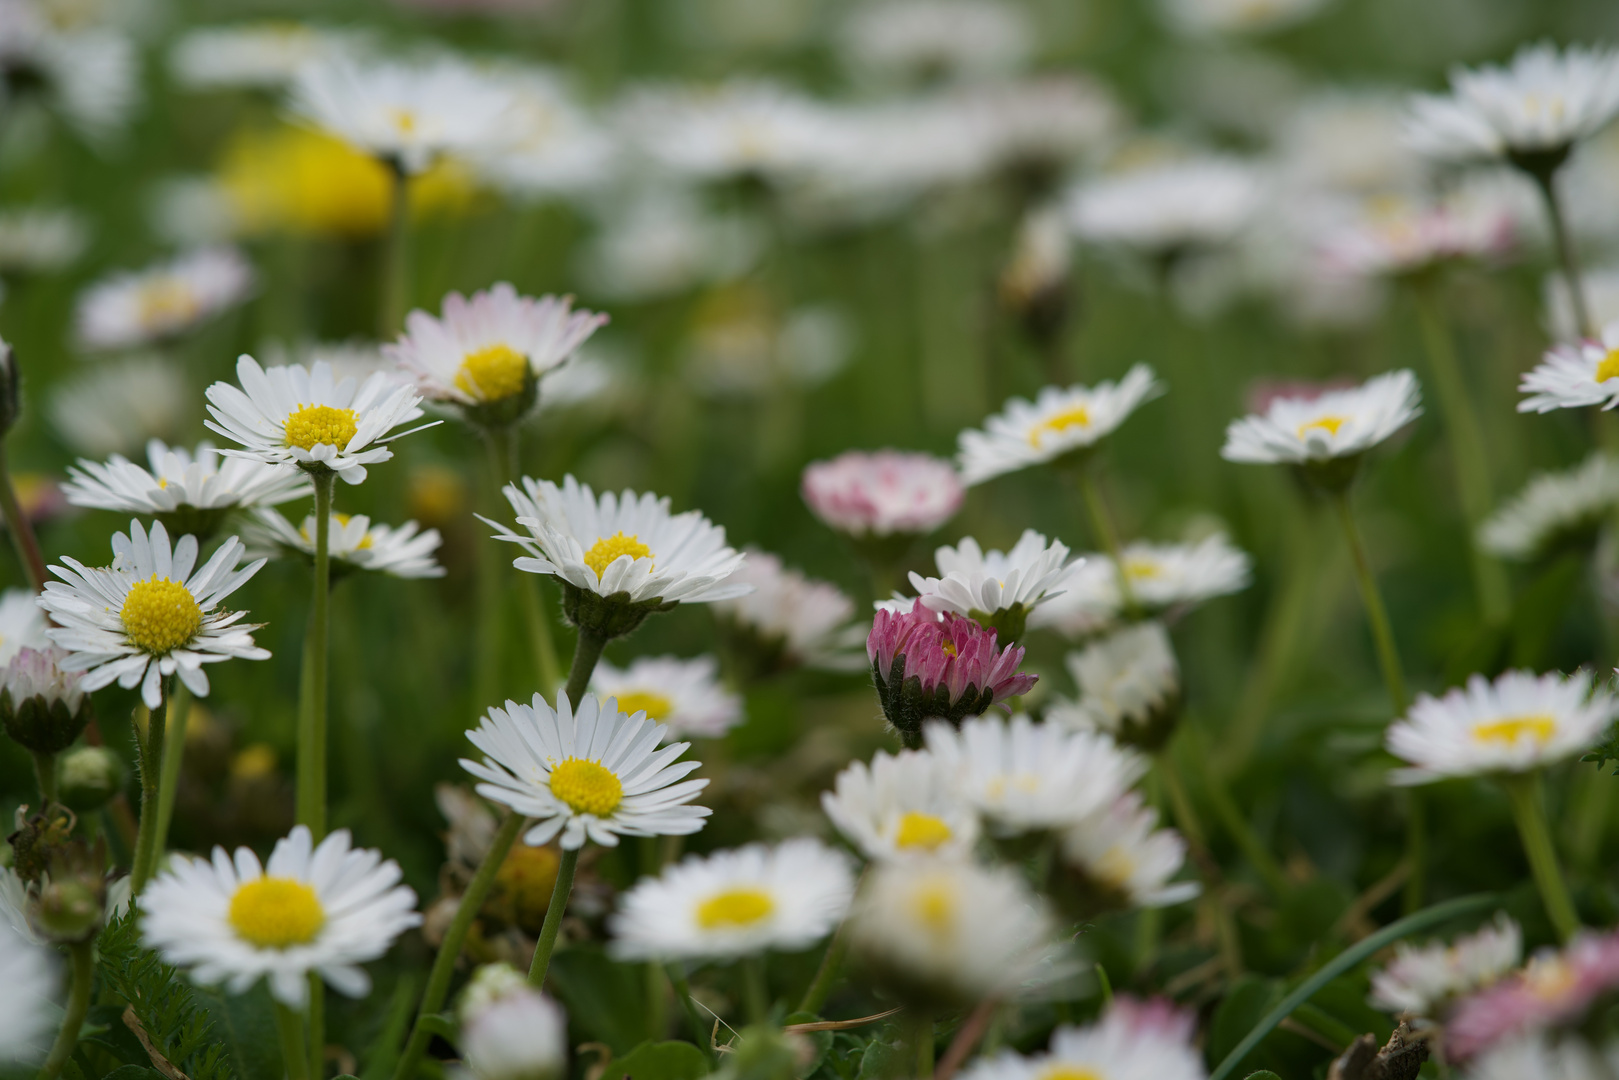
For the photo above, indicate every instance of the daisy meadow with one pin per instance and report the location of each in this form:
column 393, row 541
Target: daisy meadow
column 1575, row 376
column 1555, row 988
column 883, row 492
column 309, row 418
column 151, row 614
column 1088, row 604
column 326, row 910
column 927, row 666
column 1057, row 423
column 998, row 589
column 488, row 352
column 685, row 696
column 1132, row 1041
column 509, row 1030
column 1519, row 722
column 793, row 619
column 353, row 543
column 1424, row 980
column 1335, row 425
column 735, row 903
column 256, row 55
column 28, row 1010
column 901, row 806
column 1556, row 510
column 1122, row 859
column 141, row 307
column 585, row 774
column 1129, row 686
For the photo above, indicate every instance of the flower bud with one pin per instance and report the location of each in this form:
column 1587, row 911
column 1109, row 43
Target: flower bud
column 939, row 667
column 68, row 910
column 42, row 706
column 88, row 778
column 509, row 1030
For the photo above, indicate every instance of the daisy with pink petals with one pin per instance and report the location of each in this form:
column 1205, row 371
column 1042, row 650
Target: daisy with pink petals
column 1554, row 989
column 942, row 667
column 883, row 492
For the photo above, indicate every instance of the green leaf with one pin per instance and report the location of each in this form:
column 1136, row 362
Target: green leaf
column 672, row 1060
column 246, row 1026
column 883, row 1059
column 168, row 1007
column 821, row 1040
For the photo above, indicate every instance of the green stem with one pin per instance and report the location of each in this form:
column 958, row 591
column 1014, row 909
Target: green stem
column 290, row 1027
column 1524, row 792
column 656, row 1011
column 78, row 1005
column 438, row 980
column 317, row 1026
column 1345, row 961
column 1467, row 450
column 312, row 719
column 826, row 976
column 1388, row 657
column 1593, row 806
column 586, row 651
column 151, row 763
column 503, row 461
column 396, row 259
column 1566, row 255
column 549, row 929
column 924, row 1048
column 1107, row 534
column 1416, row 850
column 756, row 989
column 174, row 747
column 20, row 528
column 45, row 774
column 1186, row 817
column 701, row 1033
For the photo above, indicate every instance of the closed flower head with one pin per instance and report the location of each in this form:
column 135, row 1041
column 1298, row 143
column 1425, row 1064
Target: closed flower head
column 939, row 667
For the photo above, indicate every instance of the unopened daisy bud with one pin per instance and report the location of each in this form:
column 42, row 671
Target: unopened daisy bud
column 1129, row 686
column 509, row 1030
column 88, row 777
column 939, row 668
column 884, row 498
column 42, row 707
column 10, row 396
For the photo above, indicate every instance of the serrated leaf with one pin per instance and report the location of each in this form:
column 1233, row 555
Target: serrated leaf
column 246, row 1026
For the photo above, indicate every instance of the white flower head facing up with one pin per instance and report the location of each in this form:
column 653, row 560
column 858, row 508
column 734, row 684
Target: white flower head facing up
column 933, row 38
column 743, row 127
column 1540, row 104
column 1555, row 509
column 509, row 1030
column 1519, row 722
column 309, row 418
column 1336, row 424
column 28, row 1011
column 1166, row 576
column 997, row 588
column 1129, row 685
column 736, row 903
column 1134, row 1040
column 1575, row 376
column 1121, row 850
column 591, row 773
column 685, row 696
column 883, row 492
column 1170, row 207
column 151, row 614
column 140, row 307
column 1422, row 979
column 352, row 542
column 902, row 806
column 802, row 620
column 487, row 353
column 1058, row 422
column 324, row 910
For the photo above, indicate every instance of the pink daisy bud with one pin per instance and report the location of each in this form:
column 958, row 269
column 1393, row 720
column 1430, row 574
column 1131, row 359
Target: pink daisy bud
column 883, row 492
column 930, row 667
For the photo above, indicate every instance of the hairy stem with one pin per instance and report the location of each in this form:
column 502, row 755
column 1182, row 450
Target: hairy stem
column 45, row 774
column 174, row 746
column 151, row 765
column 547, row 943
column 289, row 1026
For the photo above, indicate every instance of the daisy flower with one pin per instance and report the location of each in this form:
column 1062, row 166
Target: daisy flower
column 1545, row 1058
column 932, row 38
column 151, row 614
column 739, row 128
column 1423, row 980
column 1120, row 853
column 509, row 1030
column 882, row 492
column 1388, row 235
column 187, row 491
column 685, row 696
column 1172, row 575
column 41, row 239
column 42, row 706
column 1540, row 104
column 1129, row 686
column 939, row 667
column 307, row 417
column 1024, row 776
column 793, row 619
column 587, row 774
column 488, row 352
column 325, row 909
column 253, row 55
column 735, row 903
column 1519, row 722
column 999, row 589
column 1555, row 509
column 119, row 405
column 1335, row 424
column 353, row 543
column 1575, row 376
column 22, row 623
column 1057, row 423
column 28, row 1011
column 1132, row 1041
column 901, row 806
column 141, row 307
column 1088, row 604
column 1169, row 207
column 1554, row 989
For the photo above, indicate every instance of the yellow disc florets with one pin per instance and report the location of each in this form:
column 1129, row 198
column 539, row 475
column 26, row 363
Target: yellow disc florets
column 735, row 908
column 933, row 903
column 656, row 706
column 921, row 831
column 493, row 373
column 604, row 551
column 1609, row 367
column 167, row 302
column 275, row 913
column 160, row 615
column 1076, row 416
column 1329, row 424
column 586, row 787
column 311, row 425
column 1510, row 729
column 1070, row 1072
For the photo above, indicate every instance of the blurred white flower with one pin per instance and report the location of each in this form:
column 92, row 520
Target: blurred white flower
column 1132, row 1041
column 1600, row 284
column 932, row 39
column 1125, row 680
column 665, row 242
column 118, row 405
column 1400, row 233
column 552, row 147
column 131, row 308
column 808, row 620
column 509, row 1030
column 1574, row 376
column 737, row 128
column 41, row 239
column 1347, row 140
column 22, row 624
column 1554, row 507
column 1421, row 979
column 1204, row 17
column 254, row 55
column 1545, row 1057
column 352, row 542
column 1121, row 849
column 685, row 696
column 900, row 807
column 1164, row 208
column 1171, row 575
column 28, row 1010
column 1335, row 424
column 882, row 492
column 88, row 73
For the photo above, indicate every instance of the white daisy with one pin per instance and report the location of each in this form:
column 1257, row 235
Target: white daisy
column 802, row 620
column 492, row 349
column 1169, row 207
column 509, row 1030
column 1146, row 1041
column 883, row 492
column 189, row 492
column 902, row 806
column 1129, row 685
column 629, row 544
column 309, row 418
column 1542, row 103
column 1171, row 575
column 41, row 239
column 949, row 930
column 253, row 55
column 1333, row 424
column 1199, row 18
column 1024, row 776
column 118, row 406
column 149, row 616
column 405, row 114
column 28, row 1010
column 352, row 542
column 1387, row 234
column 738, row 128
column 1120, row 849
column 1575, row 376
column 591, row 774
column 1545, row 1057
column 979, row 585
column 22, row 624
column 735, row 903
column 89, row 74
column 1422, row 979
column 325, row 909
column 1346, row 140
column 554, row 147
column 685, row 696
column 1554, row 508
column 140, row 307
column 1088, row 604
column 1059, row 421
column 928, row 39
column 664, row 242
column 1519, row 722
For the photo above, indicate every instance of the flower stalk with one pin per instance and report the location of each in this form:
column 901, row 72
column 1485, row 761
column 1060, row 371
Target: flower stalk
column 547, row 943
column 1524, row 792
column 289, row 1026
column 311, row 781
column 1377, row 618
column 20, row 528
column 82, row 955
column 1567, row 257
column 151, row 766
column 174, row 744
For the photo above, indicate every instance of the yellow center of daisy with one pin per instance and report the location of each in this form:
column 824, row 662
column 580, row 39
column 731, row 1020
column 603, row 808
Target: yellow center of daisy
column 1329, row 424
column 405, row 121
column 1550, row 978
column 1509, row 729
column 1077, row 416
column 160, row 615
column 934, row 906
column 587, row 787
column 923, row 831
column 492, row 373
column 1069, row 1072
column 1141, row 569
column 1115, row 867
column 1609, row 367
column 735, row 908
column 166, row 302
column 655, row 705
column 311, row 425
column 604, row 551
column 276, row 912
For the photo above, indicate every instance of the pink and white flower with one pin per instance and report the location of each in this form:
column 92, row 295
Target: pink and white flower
column 1555, row 988
column 883, row 492
column 939, row 667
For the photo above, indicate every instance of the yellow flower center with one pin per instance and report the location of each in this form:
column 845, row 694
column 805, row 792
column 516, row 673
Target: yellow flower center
column 1510, row 729
column 160, row 615
column 312, row 425
column 919, row 830
column 934, row 905
column 604, row 551
column 735, row 908
column 1609, row 367
column 1550, row 978
column 492, row 373
column 1329, row 424
column 405, row 121
column 166, row 302
column 587, row 787
column 1070, row 1072
column 1115, row 867
column 1076, row 416
column 656, row 706
column 273, row 913
column 1141, row 569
